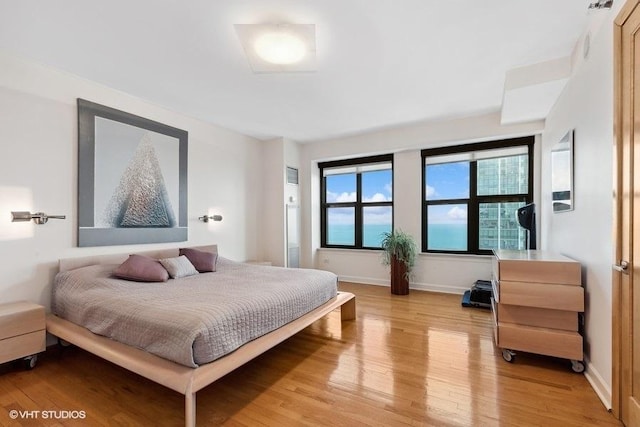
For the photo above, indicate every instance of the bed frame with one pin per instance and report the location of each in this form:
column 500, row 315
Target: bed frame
column 182, row 379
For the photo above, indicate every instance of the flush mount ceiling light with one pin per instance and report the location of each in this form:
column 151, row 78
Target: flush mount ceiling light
column 273, row 48
column 280, row 48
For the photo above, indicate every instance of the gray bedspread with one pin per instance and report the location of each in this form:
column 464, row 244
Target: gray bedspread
column 196, row 319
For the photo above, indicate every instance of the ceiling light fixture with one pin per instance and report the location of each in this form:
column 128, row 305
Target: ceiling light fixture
column 278, row 48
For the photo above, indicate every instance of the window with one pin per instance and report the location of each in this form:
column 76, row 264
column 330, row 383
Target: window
column 356, row 199
column 471, row 194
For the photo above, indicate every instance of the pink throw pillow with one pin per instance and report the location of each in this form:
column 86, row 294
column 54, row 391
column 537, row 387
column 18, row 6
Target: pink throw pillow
column 141, row 269
column 203, row 261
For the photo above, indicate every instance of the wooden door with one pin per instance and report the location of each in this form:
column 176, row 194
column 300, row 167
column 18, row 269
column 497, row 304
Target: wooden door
column 626, row 272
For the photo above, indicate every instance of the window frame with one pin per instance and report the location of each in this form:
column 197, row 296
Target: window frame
column 358, row 204
column 474, row 201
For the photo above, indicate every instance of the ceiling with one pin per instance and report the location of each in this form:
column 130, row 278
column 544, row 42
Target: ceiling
column 380, row 63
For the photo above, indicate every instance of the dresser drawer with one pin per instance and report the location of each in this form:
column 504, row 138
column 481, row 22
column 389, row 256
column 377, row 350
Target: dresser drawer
column 495, row 289
column 550, row 342
column 495, row 269
column 558, row 272
column 541, row 295
column 540, row 317
column 494, row 311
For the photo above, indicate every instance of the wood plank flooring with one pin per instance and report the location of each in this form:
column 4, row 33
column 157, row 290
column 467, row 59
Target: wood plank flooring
column 416, row 360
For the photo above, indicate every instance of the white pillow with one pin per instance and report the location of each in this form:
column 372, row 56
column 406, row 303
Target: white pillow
column 178, row 267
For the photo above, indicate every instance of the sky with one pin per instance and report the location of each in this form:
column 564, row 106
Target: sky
column 447, row 181
column 444, row 181
column 376, row 187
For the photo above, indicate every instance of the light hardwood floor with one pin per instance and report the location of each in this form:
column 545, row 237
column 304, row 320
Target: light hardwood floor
column 419, row 359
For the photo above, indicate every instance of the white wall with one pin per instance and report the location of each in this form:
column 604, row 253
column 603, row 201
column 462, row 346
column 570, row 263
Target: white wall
column 273, row 220
column 292, row 199
column 585, row 233
column 277, row 154
column 438, row 272
column 38, row 172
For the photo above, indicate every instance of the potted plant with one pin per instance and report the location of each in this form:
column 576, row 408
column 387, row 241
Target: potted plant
column 400, row 252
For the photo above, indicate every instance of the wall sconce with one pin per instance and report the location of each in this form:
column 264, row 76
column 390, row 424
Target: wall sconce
column 38, row 217
column 601, row 4
column 206, row 218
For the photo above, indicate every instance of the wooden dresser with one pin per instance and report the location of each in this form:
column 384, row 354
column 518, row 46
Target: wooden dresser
column 537, row 296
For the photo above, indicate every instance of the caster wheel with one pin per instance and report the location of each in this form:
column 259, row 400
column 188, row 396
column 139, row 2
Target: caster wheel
column 508, row 355
column 30, row 362
column 577, row 366
column 63, row 343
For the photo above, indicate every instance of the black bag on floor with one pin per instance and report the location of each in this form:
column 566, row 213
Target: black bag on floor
column 479, row 295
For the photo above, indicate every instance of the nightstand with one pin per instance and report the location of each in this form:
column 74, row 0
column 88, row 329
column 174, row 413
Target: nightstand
column 22, row 332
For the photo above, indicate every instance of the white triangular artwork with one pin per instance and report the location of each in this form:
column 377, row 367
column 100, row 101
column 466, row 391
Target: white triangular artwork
column 141, row 198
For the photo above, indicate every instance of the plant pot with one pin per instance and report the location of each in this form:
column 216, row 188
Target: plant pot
column 399, row 280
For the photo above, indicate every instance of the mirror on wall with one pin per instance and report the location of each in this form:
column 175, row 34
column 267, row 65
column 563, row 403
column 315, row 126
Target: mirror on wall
column 562, row 174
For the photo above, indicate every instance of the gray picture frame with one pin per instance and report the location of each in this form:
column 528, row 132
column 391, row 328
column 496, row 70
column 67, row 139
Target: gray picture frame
column 132, row 178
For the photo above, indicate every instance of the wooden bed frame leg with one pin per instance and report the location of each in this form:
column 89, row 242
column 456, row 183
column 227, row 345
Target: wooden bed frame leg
column 348, row 310
column 189, row 409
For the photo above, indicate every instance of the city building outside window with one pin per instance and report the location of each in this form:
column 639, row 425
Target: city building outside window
column 471, row 194
column 356, row 200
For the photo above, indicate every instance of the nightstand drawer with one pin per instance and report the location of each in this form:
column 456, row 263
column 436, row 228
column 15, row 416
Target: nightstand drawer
column 22, row 330
column 22, row 345
column 18, row 318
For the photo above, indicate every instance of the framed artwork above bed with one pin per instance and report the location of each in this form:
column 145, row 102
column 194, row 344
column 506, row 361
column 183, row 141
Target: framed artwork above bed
column 132, row 178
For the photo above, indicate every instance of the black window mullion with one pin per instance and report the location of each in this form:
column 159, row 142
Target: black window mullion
column 358, row 211
column 423, row 191
column 503, row 198
column 530, row 159
column 323, row 209
column 368, row 204
column 473, row 210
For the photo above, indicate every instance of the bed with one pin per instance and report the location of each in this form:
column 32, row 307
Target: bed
column 197, row 359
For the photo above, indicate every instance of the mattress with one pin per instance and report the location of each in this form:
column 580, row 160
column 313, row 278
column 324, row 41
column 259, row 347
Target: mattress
column 192, row 320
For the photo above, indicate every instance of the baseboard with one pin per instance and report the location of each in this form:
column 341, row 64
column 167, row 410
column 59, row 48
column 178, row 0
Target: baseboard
column 445, row 289
column 598, row 384
column 417, row 286
column 363, row 280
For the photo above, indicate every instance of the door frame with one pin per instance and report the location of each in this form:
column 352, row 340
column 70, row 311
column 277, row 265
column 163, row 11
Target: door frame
column 621, row 349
